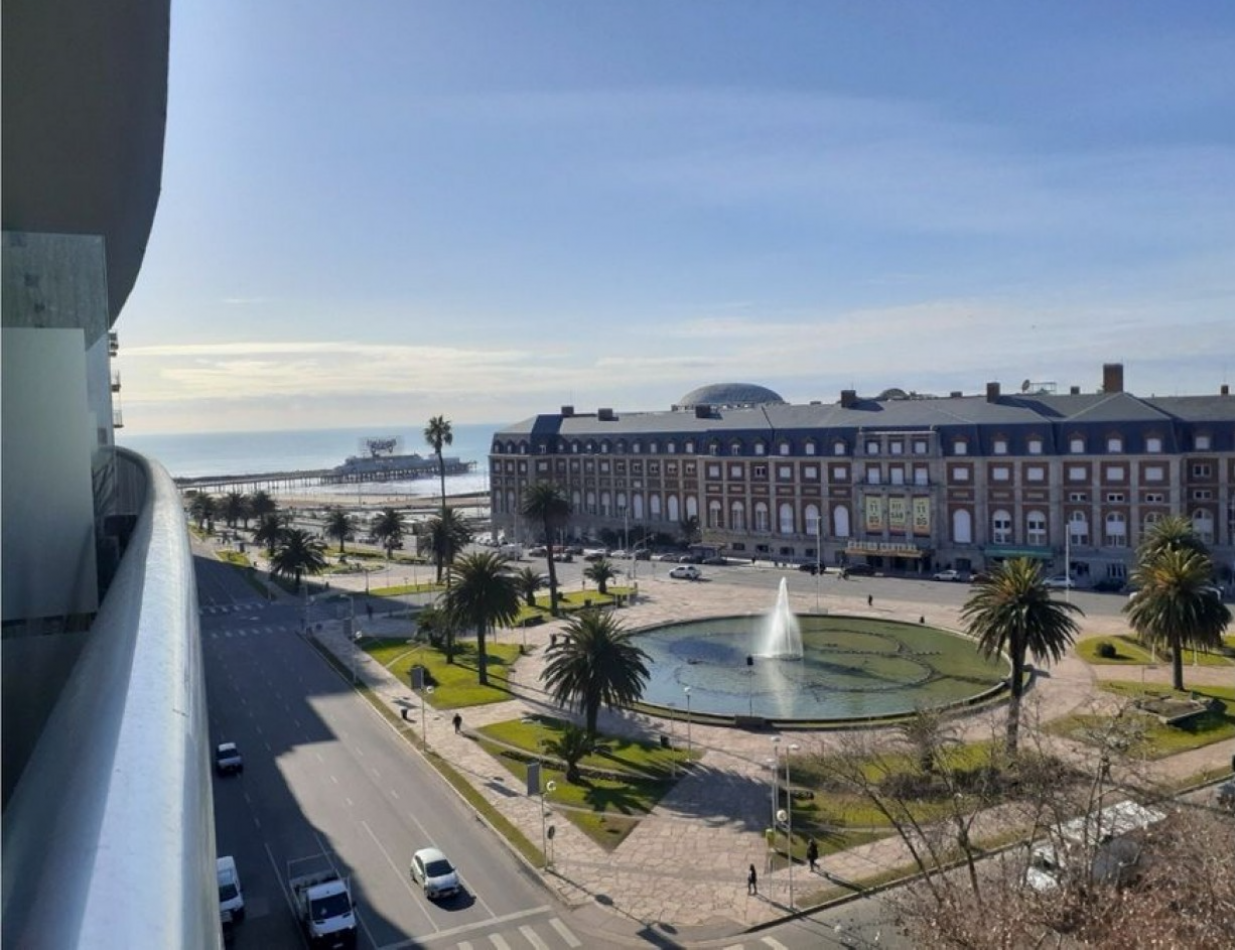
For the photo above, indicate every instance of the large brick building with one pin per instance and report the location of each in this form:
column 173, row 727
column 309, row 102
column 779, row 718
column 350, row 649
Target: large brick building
column 904, row 482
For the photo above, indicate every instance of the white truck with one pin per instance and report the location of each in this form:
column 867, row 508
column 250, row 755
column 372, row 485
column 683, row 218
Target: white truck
column 322, row 899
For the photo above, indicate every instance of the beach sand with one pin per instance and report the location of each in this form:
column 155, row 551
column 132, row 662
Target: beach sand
column 476, row 503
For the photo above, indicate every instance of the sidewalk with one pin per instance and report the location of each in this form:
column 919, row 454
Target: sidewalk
column 682, row 872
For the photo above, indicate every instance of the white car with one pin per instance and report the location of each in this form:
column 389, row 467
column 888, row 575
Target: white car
column 433, row 871
column 685, row 572
column 952, row 575
column 231, row 897
column 1063, row 582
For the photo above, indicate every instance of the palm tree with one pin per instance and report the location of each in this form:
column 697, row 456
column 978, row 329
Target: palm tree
column 1172, row 533
column 601, row 572
column 201, row 508
column 482, row 595
column 436, row 624
column 690, row 529
column 1175, row 605
column 261, row 504
column 571, row 747
column 388, row 528
column 1012, row 612
column 527, row 582
column 595, row 663
column 270, row 528
column 448, row 536
column 234, row 504
column 340, row 525
column 546, row 504
column 298, row 553
column 439, row 435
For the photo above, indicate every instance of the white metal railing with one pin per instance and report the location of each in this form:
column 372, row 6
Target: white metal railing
column 108, row 839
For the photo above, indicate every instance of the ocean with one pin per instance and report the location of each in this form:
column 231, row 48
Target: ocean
column 191, row 455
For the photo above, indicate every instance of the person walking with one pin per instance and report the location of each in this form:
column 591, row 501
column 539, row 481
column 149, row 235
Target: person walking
column 458, row 721
column 752, row 881
column 870, row 600
column 812, row 855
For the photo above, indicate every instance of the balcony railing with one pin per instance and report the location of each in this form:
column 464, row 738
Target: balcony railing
column 109, row 835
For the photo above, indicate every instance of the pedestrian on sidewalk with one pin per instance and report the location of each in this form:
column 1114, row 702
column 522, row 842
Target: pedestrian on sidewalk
column 870, row 600
column 812, row 855
column 752, row 881
column 458, row 721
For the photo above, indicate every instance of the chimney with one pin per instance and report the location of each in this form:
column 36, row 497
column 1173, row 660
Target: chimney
column 1224, row 390
column 1112, row 377
column 992, row 392
column 605, row 415
column 703, row 412
column 955, row 394
column 568, row 411
column 1074, row 391
column 848, row 398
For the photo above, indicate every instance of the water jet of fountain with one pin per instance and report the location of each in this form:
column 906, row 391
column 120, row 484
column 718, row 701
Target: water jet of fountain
column 781, row 637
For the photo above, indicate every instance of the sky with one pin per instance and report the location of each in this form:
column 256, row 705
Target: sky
column 381, row 211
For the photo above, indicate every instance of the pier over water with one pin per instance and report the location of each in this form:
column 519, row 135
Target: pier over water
column 391, row 471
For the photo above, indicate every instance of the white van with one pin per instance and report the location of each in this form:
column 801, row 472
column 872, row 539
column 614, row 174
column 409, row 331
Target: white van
column 231, row 896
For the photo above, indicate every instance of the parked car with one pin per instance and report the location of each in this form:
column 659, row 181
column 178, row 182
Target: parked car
column 810, row 567
column 537, row 550
column 432, row 870
column 1109, row 585
column 595, row 554
column 980, row 577
column 227, row 758
column 621, row 554
column 643, row 554
column 716, row 560
column 955, row 576
column 1063, row 582
column 686, row 572
column 858, row 570
column 231, row 896
column 690, row 558
column 670, row 558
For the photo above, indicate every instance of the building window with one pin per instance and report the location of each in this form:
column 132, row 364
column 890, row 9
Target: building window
column 1078, row 529
column 1076, row 445
column 921, row 475
column 1001, row 473
column 690, row 448
column 1201, row 443
column 874, row 476
column 1200, row 471
column 840, row 521
column 1115, row 443
column 1001, row 527
column 761, row 517
column 714, row 520
column 735, row 471
column 1155, row 498
column 785, row 473
column 1035, row 473
column 920, row 447
column 761, row 449
column 542, row 466
column 1203, row 525
column 814, row 525
column 636, row 448
column 1116, row 530
column 1078, row 496
column 838, row 448
column 958, row 473
column 784, row 448
column 1035, row 446
column 735, row 448
column 786, row 518
column 872, row 447
column 1155, row 473
column 691, row 468
column 1153, row 444
column 897, row 448
column 671, row 468
column 840, row 473
column 1000, row 447
column 809, row 448
column 960, row 447
column 1115, row 498
column 713, row 471
column 671, row 448
column 1114, row 473
column 653, row 448
column 1035, row 528
column 737, row 516
column 810, row 473
column 1202, row 494
column 760, row 471
column 898, row 475
column 962, row 526
column 1077, row 473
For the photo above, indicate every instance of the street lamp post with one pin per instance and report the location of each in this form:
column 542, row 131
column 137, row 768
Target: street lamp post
column 548, row 789
column 689, row 746
column 424, row 716
column 818, row 556
column 785, row 816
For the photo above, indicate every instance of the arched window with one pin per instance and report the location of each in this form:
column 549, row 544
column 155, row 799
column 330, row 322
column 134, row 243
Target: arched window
column 1035, row 527
column 1116, row 530
column 785, row 448
column 1078, row 529
column 737, row 516
column 735, row 447
column 673, row 511
column 962, row 526
column 1203, row 525
column 605, row 510
column 714, row 516
column 692, row 506
column 590, row 507
column 619, row 507
column 840, row 521
column 1001, row 527
column 636, row 499
column 786, row 518
column 510, row 501
column 654, row 507
column 814, row 527
column 761, row 517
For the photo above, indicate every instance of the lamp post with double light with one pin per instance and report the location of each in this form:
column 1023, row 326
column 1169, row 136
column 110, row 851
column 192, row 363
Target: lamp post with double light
column 689, row 746
column 785, row 816
column 549, row 788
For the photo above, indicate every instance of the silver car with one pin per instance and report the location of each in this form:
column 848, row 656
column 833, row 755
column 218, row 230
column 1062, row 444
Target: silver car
column 433, row 871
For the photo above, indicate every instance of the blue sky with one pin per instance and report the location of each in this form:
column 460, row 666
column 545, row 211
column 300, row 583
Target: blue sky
column 377, row 212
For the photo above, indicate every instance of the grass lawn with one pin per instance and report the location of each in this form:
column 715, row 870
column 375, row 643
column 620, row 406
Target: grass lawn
column 454, row 684
column 1155, row 740
column 1130, row 652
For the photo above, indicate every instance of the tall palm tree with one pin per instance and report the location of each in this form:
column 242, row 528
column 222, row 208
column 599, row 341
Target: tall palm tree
column 1172, row 533
column 448, row 536
column 482, row 594
column 261, row 504
column 1176, row 606
column 270, row 529
column 1012, row 612
column 340, row 525
column 201, row 508
column 439, row 435
column 546, row 504
column 298, row 553
column 233, row 507
column 595, row 663
column 690, row 529
column 527, row 582
column 388, row 528
column 572, row 746
column 436, row 623
column 601, row 572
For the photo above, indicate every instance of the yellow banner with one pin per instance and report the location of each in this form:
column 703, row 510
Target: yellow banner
column 874, row 513
column 922, row 516
column 898, row 513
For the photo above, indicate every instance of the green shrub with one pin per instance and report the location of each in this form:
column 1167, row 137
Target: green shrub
column 1107, row 651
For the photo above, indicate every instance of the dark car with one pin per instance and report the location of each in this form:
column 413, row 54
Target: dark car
column 227, row 758
column 1109, row 585
column 810, row 567
column 858, row 570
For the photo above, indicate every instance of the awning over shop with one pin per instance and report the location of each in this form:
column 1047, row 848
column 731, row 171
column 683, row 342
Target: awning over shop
column 1003, row 550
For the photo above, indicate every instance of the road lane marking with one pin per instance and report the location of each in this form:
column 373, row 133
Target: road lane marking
column 564, row 932
column 533, row 938
column 499, row 941
column 394, row 794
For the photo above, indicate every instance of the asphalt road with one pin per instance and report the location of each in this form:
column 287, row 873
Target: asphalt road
column 326, row 775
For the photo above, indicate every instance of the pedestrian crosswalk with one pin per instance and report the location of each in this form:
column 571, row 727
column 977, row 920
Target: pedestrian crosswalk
column 235, row 633
column 218, row 609
column 552, row 934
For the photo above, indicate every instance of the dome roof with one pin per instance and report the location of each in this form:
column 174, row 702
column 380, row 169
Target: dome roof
column 732, row 395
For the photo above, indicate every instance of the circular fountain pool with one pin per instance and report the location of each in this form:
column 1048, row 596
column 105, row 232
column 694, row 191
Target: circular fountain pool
column 850, row 668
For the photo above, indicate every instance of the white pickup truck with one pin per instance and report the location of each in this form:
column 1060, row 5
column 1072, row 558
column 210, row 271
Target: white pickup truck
column 323, row 902
column 1105, row 845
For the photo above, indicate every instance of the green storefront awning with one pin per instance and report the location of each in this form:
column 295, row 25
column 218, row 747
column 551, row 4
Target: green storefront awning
column 1042, row 553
